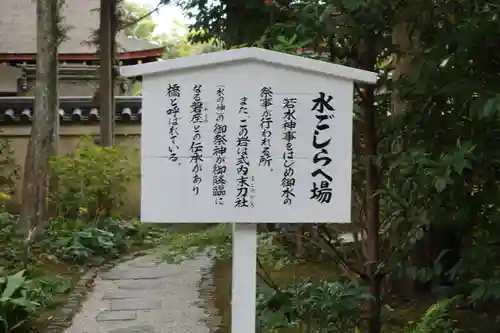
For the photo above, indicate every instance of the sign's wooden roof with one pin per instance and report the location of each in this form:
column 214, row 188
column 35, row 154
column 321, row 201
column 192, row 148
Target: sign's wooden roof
column 250, row 54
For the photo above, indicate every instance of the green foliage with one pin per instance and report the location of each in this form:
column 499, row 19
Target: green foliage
column 180, row 246
column 83, row 242
column 437, row 126
column 47, row 287
column 10, row 243
column 178, row 42
column 336, row 307
column 24, row 292
column 138, row 24
column 436, row 319
column 9, row 169
column 92, row 181
column 485, row 290
column 17, row 302
column 320, row 307
column 223, row 20
column 217, row 243
column 78, row 243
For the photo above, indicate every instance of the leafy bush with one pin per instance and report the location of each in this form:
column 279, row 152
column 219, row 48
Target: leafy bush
column 10, row 169
column 46, row 287
column 77, row 242
column 83, row 242
column 23, row 292
column 333, row 307
column 321, row 307
column 81, row 245
column 216, row 241
column 436, row 319
column 17, row 301
column 485, row 290
column 10, row 243
column 92, row 181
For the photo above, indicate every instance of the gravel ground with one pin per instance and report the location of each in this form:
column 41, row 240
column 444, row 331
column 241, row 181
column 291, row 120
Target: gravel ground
column 145, row 296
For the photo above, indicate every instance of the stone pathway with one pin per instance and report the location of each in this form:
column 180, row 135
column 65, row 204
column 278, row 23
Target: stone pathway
column 144, row 296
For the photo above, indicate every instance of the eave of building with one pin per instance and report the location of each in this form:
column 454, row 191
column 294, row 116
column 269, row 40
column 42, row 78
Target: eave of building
column 72, row 110
column 152, row 53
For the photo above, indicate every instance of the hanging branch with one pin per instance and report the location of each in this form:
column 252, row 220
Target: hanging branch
column 128, row 23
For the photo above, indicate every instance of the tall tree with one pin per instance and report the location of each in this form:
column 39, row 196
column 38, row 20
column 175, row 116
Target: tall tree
column 41, row 144
column 233, row 22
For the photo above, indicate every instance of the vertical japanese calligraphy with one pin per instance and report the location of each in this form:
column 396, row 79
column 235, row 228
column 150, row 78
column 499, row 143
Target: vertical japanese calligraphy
column 266, row 120
column 196, row 148
column 324, row 111
column 173, row 94
column 220, row 149
column 321, row 173
column 289, row 135
column 242, row 160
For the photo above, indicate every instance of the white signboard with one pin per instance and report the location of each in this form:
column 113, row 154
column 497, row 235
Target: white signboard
column 247, row 135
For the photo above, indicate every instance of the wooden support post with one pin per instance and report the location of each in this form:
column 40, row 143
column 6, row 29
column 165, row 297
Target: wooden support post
column 244, row 280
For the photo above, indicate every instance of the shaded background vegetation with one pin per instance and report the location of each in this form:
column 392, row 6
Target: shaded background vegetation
column 425, row 202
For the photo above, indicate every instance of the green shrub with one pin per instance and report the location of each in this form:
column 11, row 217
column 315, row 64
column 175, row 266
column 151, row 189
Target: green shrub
column 10, row 169
column 333, row 307
column 436, row 319
column 10, row 242
column 315, row 307
column 93, row 180
column 80, row 242
column 216, row 241
column 85, row 242
column 46, row 287
column 17, row 302
column 25, row 292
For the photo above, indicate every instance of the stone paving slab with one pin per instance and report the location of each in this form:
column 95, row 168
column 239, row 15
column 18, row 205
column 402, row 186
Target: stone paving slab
column 116, row 316
column 144, row 264
column 134, row 304
column 139, row 284
column 124, row 293
column 144, row 296
column 136, row 329
column 146, row 273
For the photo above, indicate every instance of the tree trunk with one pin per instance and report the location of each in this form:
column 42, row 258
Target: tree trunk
column 114, row 63
column 402, row 39
column 54, row 105
column 40, row 147
column 105, row 94
column 367, row 61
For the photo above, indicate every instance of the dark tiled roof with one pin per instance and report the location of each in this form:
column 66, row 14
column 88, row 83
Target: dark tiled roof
column 19, row 110
column 18, row 28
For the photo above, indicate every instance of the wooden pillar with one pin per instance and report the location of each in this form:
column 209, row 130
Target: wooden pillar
column 106, row 102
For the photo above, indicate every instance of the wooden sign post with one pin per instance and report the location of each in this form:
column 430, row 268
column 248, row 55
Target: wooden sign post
column 246, row 136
